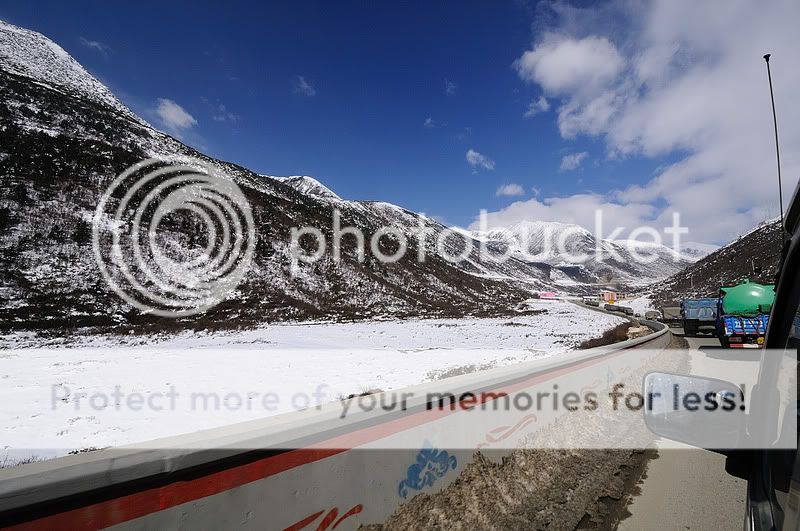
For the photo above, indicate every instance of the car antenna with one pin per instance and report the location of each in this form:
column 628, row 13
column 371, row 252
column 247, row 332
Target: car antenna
column 777, row 148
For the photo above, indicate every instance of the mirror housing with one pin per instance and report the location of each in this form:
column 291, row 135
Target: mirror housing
column 703, row 412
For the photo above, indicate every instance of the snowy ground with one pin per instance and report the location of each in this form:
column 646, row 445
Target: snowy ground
column 102, row 393
column 640, row 305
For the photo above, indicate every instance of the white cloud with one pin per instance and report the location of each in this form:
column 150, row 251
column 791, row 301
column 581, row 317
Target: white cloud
column 222, row 114
column 537, row 106
column 464, row 134
column 173, row 116
column 476, row 160
column 510, row 190
column 96, row 46
column 683, row 81
column 304, row 87
column 536, row 191
column 450, row 88
column 572, row 161
column 429, row 123
column 578, row 209
column 561, row 64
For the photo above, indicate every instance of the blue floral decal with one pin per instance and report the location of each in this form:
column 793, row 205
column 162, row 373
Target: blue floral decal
column 431, row 464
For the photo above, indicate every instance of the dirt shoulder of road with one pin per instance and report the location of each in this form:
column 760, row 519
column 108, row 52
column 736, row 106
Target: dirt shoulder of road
column 609, row 337
column 535, row 488
column 612, row 335
column 531, row 489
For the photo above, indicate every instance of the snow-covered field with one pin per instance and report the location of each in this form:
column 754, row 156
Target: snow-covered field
column 100, row 393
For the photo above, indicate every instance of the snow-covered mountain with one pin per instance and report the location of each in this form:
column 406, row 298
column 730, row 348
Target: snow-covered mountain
column 580, row 257
column 63, row 139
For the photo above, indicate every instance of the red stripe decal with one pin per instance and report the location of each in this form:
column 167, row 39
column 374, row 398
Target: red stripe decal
column 355, row 510
column 304, row 522
column 107, row 513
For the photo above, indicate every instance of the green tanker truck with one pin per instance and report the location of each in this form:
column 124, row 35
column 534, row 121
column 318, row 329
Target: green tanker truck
column 743, row 314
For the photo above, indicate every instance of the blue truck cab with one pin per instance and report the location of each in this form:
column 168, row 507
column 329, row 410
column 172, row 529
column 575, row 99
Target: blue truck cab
column 699, row 314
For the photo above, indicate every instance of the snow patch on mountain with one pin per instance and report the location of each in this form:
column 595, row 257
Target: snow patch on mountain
column 308, row 185
column 695, row 251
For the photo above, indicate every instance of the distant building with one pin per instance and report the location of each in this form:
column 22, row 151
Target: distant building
column 547, row 295
column 609, row 296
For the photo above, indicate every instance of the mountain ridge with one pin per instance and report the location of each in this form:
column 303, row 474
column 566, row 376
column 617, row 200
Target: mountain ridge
column 32, row 54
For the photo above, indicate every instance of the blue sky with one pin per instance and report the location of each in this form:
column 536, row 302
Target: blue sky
column 378, row 71
column 659, row 107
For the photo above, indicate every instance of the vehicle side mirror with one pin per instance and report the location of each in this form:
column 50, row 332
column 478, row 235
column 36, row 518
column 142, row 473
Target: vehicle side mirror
column 703, row 412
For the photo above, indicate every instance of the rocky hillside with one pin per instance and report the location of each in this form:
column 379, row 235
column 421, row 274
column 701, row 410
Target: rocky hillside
column 753, row 255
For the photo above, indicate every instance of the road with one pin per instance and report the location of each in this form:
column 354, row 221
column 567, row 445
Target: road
column 689, row 488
